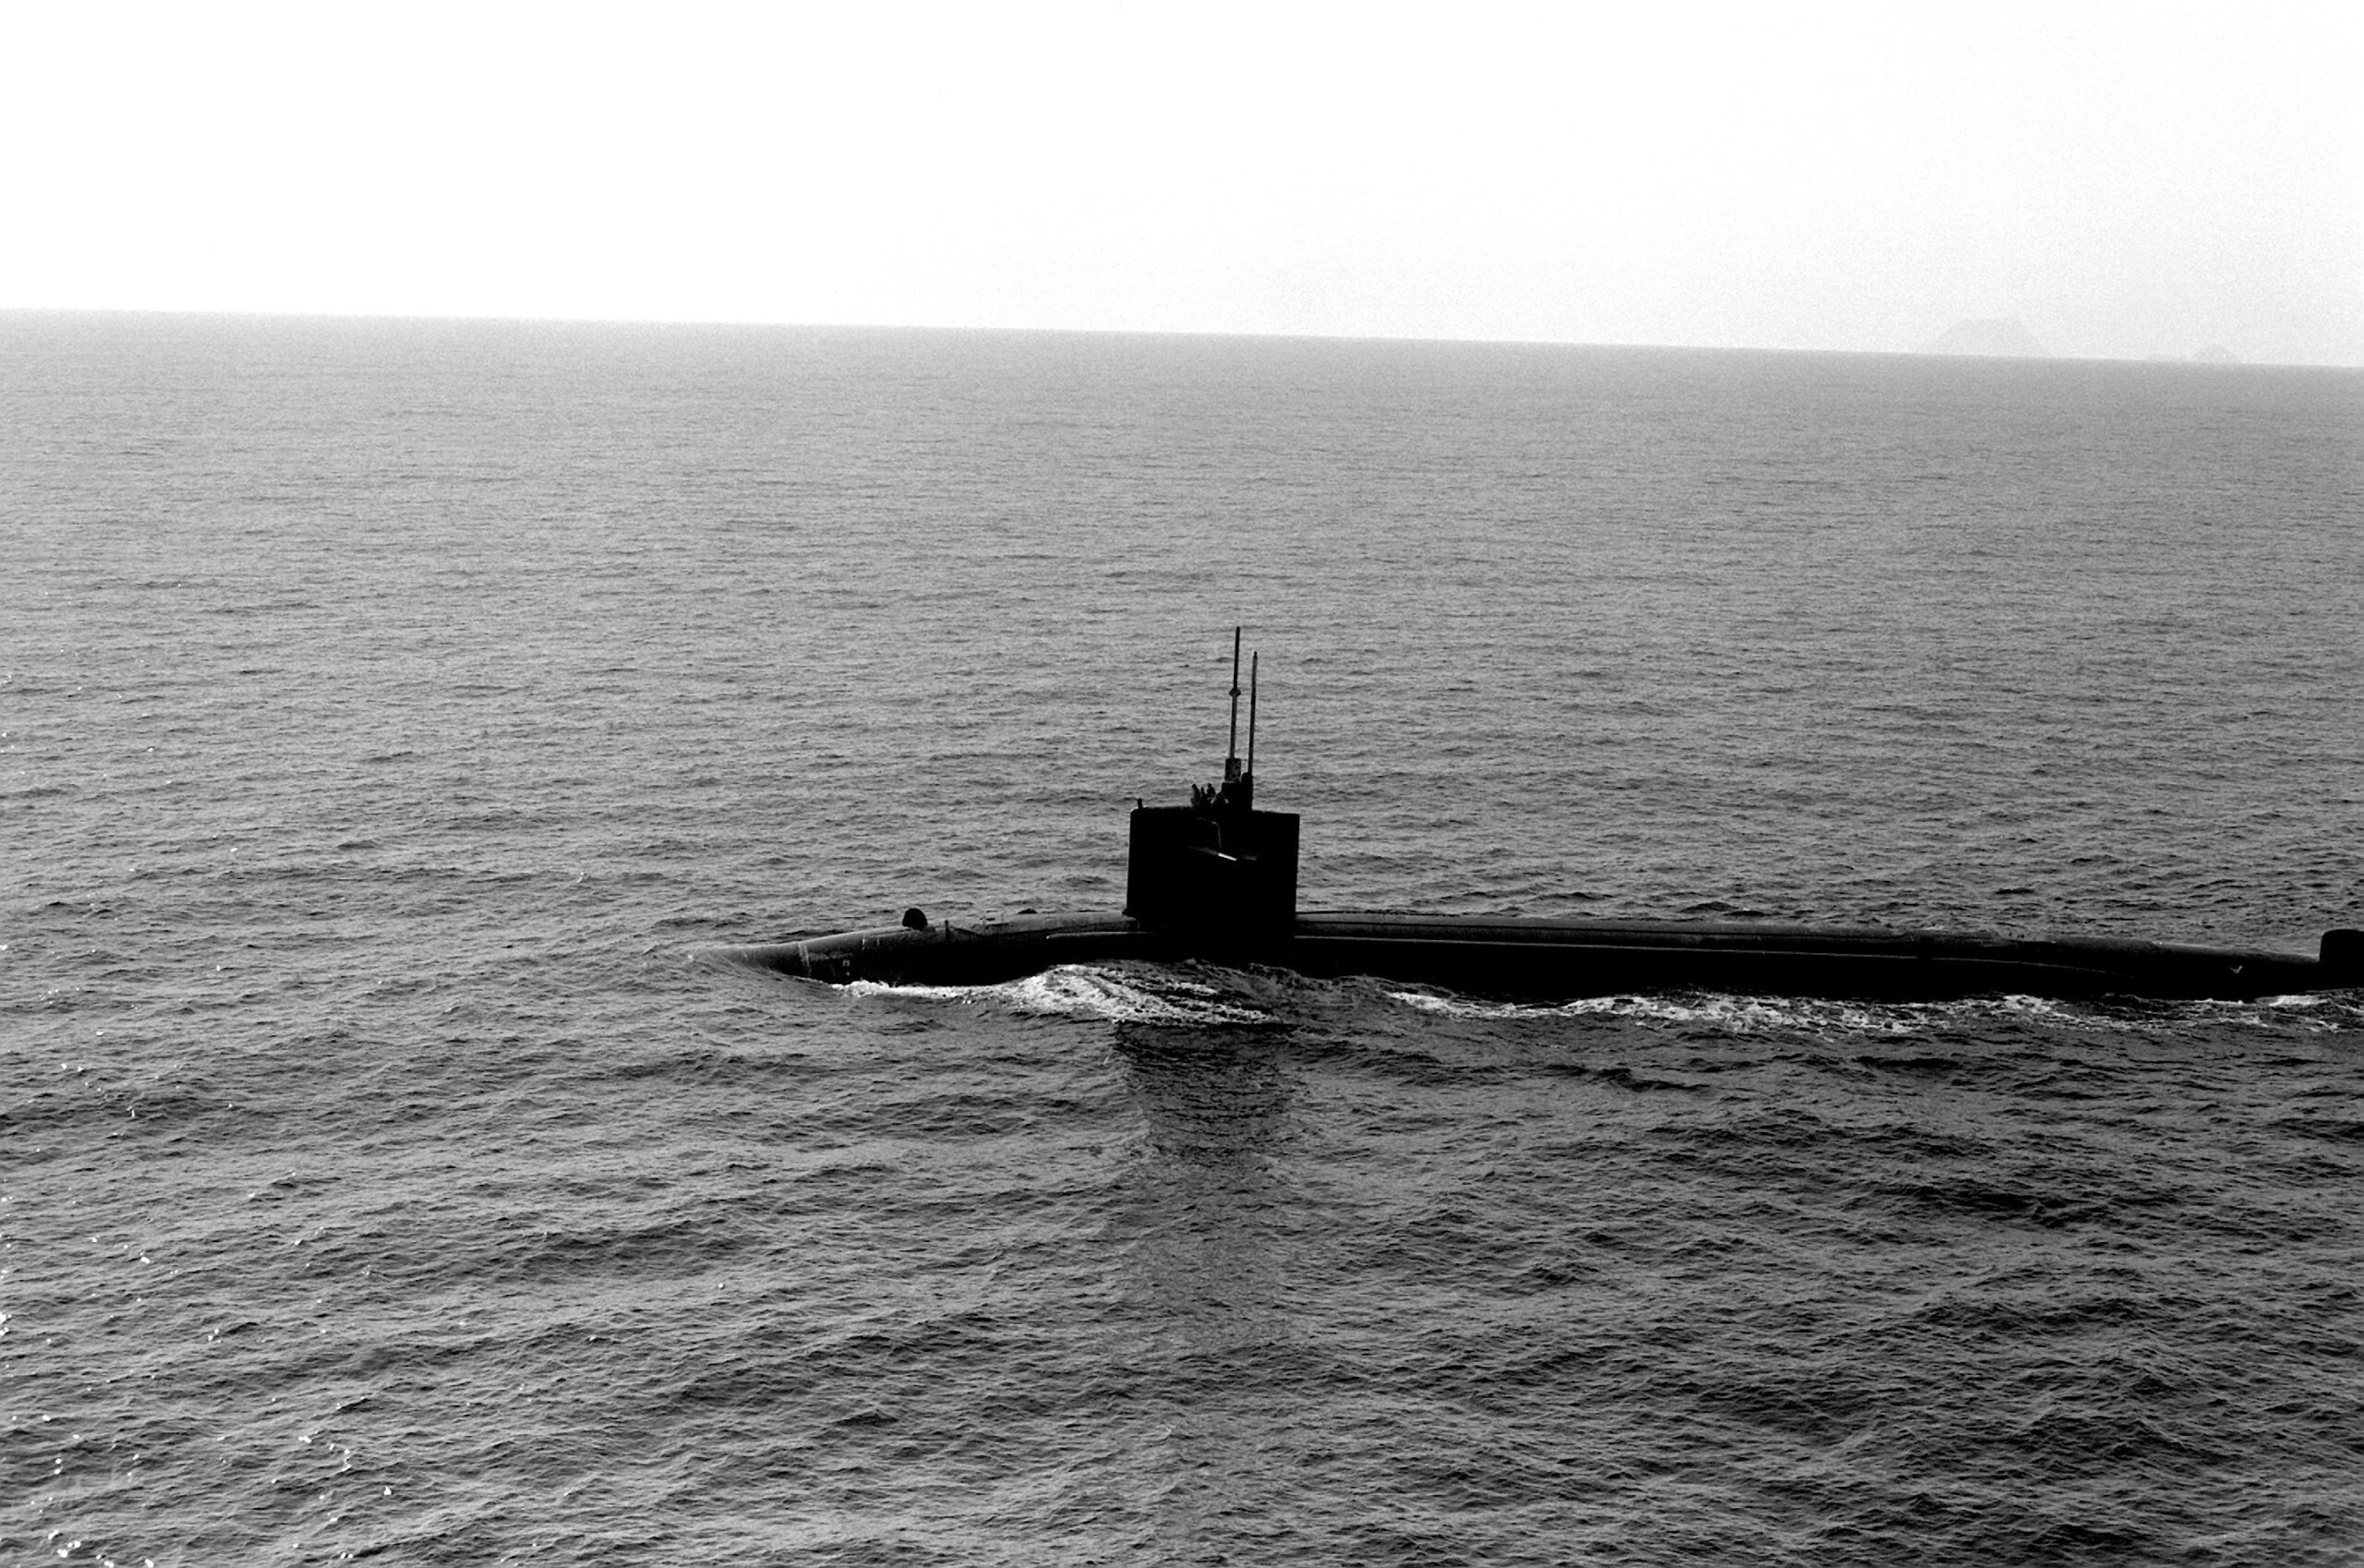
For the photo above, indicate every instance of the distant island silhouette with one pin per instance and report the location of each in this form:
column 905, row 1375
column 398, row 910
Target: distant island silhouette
column 1995, row 335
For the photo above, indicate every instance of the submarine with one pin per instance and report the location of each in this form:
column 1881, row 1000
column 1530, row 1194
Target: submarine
column 1216, row 881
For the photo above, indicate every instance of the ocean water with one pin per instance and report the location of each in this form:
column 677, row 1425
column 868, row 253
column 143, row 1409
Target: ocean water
column 394, row 716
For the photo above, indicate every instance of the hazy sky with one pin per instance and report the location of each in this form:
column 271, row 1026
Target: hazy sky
column 2127, row 180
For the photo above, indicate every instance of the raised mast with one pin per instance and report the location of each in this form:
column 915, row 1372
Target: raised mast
column 1231, row 757
column 1252, row 659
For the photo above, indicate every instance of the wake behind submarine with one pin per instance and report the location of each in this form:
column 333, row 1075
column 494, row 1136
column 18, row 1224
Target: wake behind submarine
column 1215, row 881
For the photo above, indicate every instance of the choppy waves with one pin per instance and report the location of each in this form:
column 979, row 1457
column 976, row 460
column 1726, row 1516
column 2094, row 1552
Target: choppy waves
column 388, row 707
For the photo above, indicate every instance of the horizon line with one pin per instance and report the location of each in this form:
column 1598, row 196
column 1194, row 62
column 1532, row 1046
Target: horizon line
column 487, row 318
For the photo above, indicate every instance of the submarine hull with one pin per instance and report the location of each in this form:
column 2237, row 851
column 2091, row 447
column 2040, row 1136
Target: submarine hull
column 1216, row 881
column 1560, row 959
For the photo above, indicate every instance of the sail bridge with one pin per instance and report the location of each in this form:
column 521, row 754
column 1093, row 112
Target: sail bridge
column 1217, row 870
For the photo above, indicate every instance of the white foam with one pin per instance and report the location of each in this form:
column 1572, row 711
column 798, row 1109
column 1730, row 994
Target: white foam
column 1750, row 1015
column 1082, row 991
column 1740, row 1014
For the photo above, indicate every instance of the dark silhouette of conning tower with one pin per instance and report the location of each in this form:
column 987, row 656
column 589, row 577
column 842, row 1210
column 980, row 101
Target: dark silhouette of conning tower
column 1217, row 871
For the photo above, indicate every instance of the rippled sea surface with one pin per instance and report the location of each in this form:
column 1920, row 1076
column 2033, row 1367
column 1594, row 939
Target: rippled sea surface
column 397, row 714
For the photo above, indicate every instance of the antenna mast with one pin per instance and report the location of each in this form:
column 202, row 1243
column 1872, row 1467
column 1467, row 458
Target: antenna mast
column 1231, row 761
column 1252, row 662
